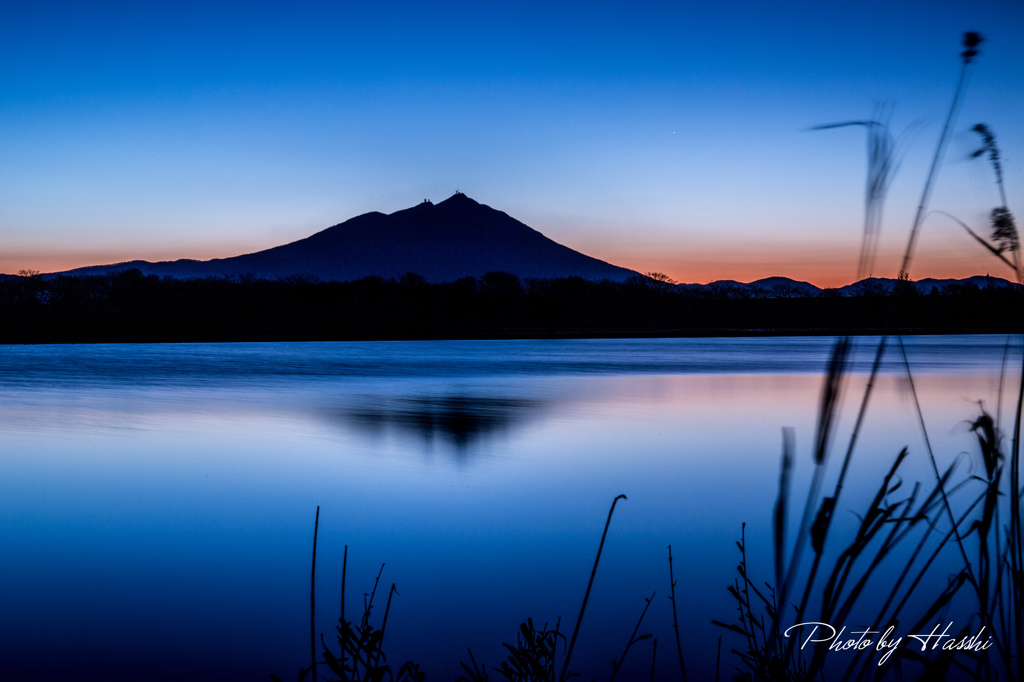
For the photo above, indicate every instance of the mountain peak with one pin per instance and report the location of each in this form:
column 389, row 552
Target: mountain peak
column 459, row 199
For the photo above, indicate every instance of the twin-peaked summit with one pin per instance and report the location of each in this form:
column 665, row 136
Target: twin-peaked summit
column 444, row 242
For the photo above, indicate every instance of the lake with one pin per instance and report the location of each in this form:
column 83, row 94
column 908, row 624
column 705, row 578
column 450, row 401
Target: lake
column 157, row 502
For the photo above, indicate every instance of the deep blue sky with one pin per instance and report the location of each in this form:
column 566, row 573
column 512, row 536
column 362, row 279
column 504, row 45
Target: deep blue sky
column 667, row 136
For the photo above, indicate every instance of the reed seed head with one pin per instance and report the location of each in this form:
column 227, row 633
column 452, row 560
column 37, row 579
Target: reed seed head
column 971, row 41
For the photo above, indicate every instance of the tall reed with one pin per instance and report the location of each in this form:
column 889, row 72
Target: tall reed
column 971, row 507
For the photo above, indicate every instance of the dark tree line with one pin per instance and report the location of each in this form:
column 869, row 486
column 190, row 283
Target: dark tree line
column 128, row 306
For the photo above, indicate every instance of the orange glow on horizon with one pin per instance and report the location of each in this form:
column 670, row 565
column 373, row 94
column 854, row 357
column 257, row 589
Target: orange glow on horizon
column 706, row 263
column 61, row 261
column 829, row 270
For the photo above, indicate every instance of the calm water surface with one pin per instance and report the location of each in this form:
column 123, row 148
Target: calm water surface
column 157, row 501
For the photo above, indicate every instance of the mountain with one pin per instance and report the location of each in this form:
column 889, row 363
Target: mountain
column 784, row 287
column 455, row 238
column 769, row 287
column 923, row 286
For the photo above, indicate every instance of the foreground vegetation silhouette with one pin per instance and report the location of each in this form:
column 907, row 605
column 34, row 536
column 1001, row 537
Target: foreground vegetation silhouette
column 975, row 517
column 532, row 658
column 903, row 531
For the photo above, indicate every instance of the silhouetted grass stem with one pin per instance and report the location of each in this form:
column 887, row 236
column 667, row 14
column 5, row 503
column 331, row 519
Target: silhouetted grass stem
column 935, row 466
column 312, row 598
column 590, row 584
column 675, row 617
column 940, row 150
column 1016, row 548
column 633, row 639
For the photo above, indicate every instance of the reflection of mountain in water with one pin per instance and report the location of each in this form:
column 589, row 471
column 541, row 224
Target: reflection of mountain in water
column 458, row 420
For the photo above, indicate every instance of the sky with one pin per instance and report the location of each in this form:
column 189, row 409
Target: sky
column 671, row 137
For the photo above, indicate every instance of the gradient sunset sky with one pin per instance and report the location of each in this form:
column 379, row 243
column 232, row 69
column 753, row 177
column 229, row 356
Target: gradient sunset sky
column 658, row 136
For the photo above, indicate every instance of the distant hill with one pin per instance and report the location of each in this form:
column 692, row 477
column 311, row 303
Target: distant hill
column 442, row 243
column 769, row 287
column 924, row 286
column 784, row 287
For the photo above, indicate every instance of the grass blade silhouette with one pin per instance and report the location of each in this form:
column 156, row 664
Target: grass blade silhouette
column 312, row 599
column 970, row 42
column 675, row 617
column 633, row 639
column 590, row 584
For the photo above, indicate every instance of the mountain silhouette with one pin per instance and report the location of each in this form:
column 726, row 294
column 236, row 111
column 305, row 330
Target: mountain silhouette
column 784, row 287
column 442, row 243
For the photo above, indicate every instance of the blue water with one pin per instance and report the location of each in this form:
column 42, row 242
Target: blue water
column 157, row 501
